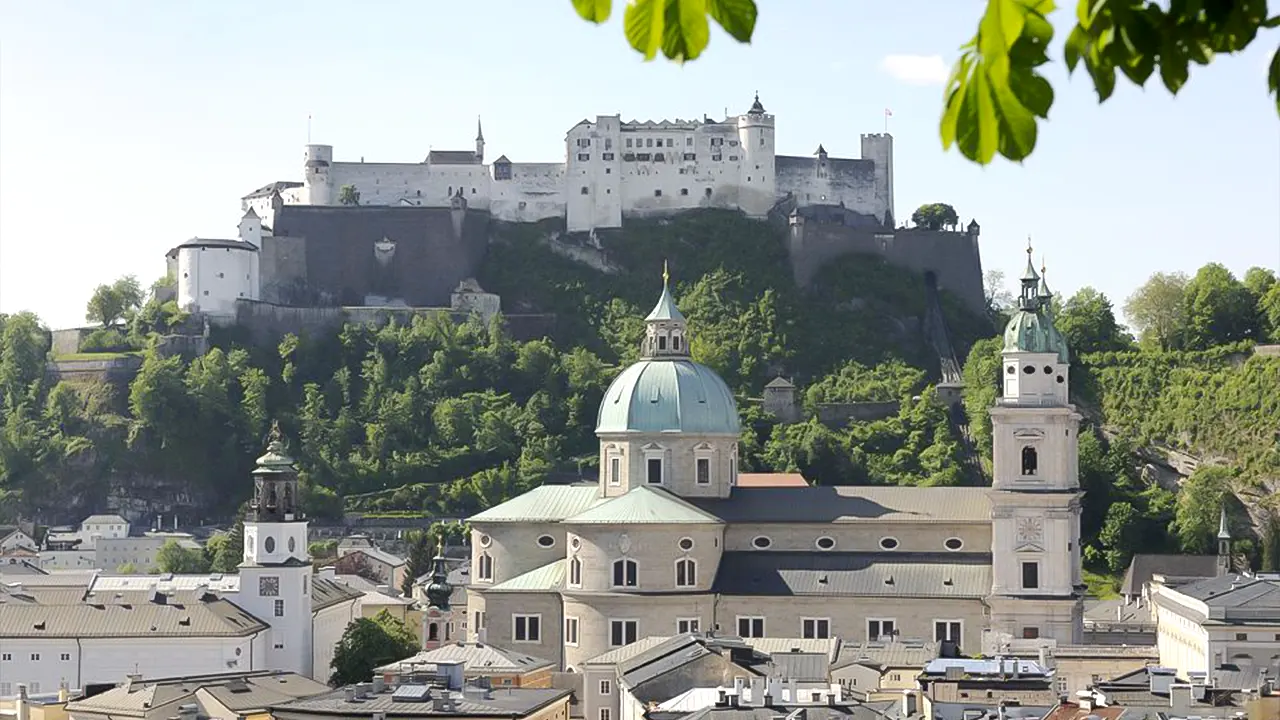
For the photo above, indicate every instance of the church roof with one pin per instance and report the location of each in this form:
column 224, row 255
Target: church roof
column 1032, row 331
column 850, row 504
column 665, row 309
column 780, row 382
column 545, row 503
column 548, row 578
column 452, row 157
column 643, row 506
column 327, row 593
column 244, row 693
column 855, row 574
column 1144, row 566
column 668, row 395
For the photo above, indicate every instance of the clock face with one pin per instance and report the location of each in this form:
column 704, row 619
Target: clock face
column 1030, row 532
column 268, row 586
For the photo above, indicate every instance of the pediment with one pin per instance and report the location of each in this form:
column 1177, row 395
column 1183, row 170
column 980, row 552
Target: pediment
column 1028, row 434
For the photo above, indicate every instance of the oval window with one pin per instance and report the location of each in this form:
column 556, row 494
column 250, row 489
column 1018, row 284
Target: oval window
column 826, row 543
column 1028, row 369
column 1048, row 370
column 1010, row 370
column 1060, row 380
column 546, row 541
column 485, row 540
column 686, row 544
column 269, row 544
column 575, row 543
column 953, row 544
column 293, row 544
column 889, row 543
column 762, row 543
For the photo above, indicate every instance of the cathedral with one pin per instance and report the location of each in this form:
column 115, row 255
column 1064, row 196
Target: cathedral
column 667, row 542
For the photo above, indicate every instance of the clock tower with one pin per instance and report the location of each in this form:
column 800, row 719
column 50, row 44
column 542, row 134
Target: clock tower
column 1036, row 581
column 275, row 577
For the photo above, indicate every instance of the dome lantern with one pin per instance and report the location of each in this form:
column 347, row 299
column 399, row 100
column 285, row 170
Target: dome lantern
column 666, row 330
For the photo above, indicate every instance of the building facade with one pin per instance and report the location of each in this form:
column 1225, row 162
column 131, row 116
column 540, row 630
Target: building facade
column 666, row 541
column 612, row 169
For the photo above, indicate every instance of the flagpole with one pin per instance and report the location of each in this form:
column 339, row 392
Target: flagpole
column 308, row 129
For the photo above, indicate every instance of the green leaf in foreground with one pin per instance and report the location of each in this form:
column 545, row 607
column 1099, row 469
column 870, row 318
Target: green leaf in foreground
column 596, row 11
column 737, row 17
column 642, row 21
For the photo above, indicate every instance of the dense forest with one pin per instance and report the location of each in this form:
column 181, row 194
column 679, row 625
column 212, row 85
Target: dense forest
column 437, row 419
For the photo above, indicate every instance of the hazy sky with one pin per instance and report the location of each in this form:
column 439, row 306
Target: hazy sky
column 128, row 127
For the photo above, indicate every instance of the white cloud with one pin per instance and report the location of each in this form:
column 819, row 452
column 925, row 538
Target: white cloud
column 916, row 69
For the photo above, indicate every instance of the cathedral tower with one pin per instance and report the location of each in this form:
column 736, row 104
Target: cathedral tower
column 1035, row 497
column 275, row 577
column 439, row 615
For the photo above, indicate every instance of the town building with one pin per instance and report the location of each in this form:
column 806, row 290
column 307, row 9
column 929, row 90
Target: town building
column 442, row 696
column 223, row 695
column 668, row 542
column 499, row 667
column 956, row 688
column 85, row 627
column 882, row 670
column 386, row 568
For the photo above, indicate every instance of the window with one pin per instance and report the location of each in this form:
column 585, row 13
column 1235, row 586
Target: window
column 686, row 573
column 279, row 608
column 815, row 628
column 888, row 543
column 953, row 544
column 571, row 631
column 675, row 343
column 716, row 158
column 877, row 629
column 479, row 622
column 484, row 572
column 686, row 625
column 654, row 465
column 684, row 191
column 6, row 657
column 6, row 689
column 1030, row 633
column 35, row 688
column 35, row 657
column 644, row 156
column 615, row 471
column 625, row 572
column 584, row 142
column 607, row 156
column 604, row 714
column 733, row 143
column 686, row 544
column 947, row 631
column 606, row 687
column 1030, row 575
column 1028, row 460
column 526, row 628
column 628, row 142
column 662, row 342
column 648, row 142
column 546, row 541
column 690, row 156
column 65, row 657
column 707, row 192
column 575, row 572
column 704, row 471
column 750, row 627
column 584, row 157
column 584, row 190
column 1242, row 636
column 657, row 193
column 668, row 142
column 825, row 542
column 622, row 632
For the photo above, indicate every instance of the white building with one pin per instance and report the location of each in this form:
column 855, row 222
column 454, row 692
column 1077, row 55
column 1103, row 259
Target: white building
column 139, row 553
column 612, row 169
column 94, row 627
column 212, row 274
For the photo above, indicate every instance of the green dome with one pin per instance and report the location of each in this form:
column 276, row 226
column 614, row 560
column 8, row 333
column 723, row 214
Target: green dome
column 1030, row 331
column 668, row 395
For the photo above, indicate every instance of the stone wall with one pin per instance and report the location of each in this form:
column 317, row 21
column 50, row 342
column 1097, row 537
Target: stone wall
column 839, row 414
column 115, row 369
column 67, row 342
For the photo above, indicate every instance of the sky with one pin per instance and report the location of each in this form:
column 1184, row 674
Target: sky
column 127, row 128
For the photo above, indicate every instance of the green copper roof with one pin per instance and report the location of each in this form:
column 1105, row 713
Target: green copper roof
column 275, row 460
column 546, row 503
column 666, row 308
column 1030, row 272
column 1033, row 331
column 668, row 395
column 548, row 578
column 644, row 506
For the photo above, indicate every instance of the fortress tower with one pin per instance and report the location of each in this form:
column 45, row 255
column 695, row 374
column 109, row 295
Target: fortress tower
column 316, row 178
column 878, row 148
column 759, row 181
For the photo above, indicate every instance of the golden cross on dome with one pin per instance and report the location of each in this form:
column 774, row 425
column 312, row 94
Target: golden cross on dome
column 665, row 275
column 1043, row 269
column 1028, row 245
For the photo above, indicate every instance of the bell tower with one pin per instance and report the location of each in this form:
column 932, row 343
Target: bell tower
column 1037, row 584
column 275, row 577
column 438, row 619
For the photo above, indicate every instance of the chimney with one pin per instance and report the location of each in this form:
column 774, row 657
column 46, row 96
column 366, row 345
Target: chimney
column 349, row 693
column 722, row 698
column 757, row 691
column 64, row 694
column 190, row 711
column 1160, row 680
column 1016, row 665
column 793, row 686
column 379, row 685
column 1119, row 613
column 22, row 708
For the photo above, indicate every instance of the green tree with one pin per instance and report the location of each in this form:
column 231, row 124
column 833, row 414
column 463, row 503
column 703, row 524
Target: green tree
column 1119, row 535
column 1219, row 308
column 1158, row 309
column 127, row 569
column 420, row 551
column 323, row 549
column 348, row 195
column 1258, row 280
column 1200, row 503
column 370, row 643
column 112, row 303
column 225, row 550
column 935, row 216
column 1269, row 310
column 172, row 557
column 1088, row 323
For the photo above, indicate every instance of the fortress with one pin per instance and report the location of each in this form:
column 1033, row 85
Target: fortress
column 410, row 235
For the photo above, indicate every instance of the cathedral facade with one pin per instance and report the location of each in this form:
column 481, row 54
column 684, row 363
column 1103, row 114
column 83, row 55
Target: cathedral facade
column 666, row 542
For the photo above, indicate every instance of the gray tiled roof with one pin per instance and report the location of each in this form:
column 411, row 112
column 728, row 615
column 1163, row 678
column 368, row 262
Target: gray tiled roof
column 107, row 519
column 217, row 617
column 766, row 645
column 863, row 711
column 643, row 506
column 380, row 555
column 950, row 575
column 803, row 667
column 270, row 188
column 1116, row 612
column 327, row 593
column 452, row 157
column 1238, row 598
column 242, row 693
column 509, row 703
column 1143, row 567
column 851, row 504
column 887, row 654
column 477, row 658
column 545, row 503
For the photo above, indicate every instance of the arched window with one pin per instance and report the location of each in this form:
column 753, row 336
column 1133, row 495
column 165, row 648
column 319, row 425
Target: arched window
column 625, row 573
column 686, row 572
column 1028, row 460
column 484, row 571
column 575, row 572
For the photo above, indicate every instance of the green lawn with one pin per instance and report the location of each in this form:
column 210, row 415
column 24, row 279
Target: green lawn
column 1103, row 587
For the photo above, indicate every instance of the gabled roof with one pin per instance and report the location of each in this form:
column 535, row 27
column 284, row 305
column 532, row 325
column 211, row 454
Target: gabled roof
column 644, row 506
column 1143, row 567
column 243, row 693
column 477, row 658
column 380, row 555
column 1238, row 598
column 887, row 654
column 112, row 518
column 272, row 188
column 780, row 382
column 545, row 503
column 327, row 593
column 548, row 578
column 207, row 618
column 855, row 574
column 452, row 157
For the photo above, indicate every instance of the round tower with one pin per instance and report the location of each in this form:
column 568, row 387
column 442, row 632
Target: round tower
column 316, row 177
column 757, row 181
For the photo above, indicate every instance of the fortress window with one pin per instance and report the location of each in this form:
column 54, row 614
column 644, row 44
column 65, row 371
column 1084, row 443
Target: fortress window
column 668, row 142
column 716, row 157
column 644, row 156
column 584, row 157
column 608, row 143
column 608, row 156
column 648, row 142
column 473, row 191
column 684, row 191
column 761, row 141
column 450, row 192
column 659, row 157
column 657, row 193
column 628, row 142
column 733, row 158
column 1029, row 460
column 707, row 192
column 686, row 573
column 625, row 573
column 690, row 156
column 584, row 190
column 733, row 143
column 221, row 275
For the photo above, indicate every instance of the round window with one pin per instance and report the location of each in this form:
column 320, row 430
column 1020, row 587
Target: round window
column 1048, row 370
column 826, row 543
column 546, row 541
column 889, row 543
column 686, row 544
column 953, row 544
column 485, row 540
column 1060, row 380
column 1028, row 369
column 762, row 543
column 269, row 544
column 575, row 543
column 293, row 545
column 1010, row 370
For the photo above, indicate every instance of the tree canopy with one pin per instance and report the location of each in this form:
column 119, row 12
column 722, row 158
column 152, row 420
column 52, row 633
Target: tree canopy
column 367, row 644
column 348, row 195
column 112, row 303
column 936, row 216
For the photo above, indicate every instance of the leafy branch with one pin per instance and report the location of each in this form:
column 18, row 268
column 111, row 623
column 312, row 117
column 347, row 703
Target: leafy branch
column 678, row 28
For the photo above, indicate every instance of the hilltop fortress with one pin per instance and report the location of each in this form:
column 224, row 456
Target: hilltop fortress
column 411, row 235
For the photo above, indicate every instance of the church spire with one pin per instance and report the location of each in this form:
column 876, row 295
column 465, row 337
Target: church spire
column 665, row 327
column 479, row 140
column 439, row 590
column 1030, row 283
column 1042, row 291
